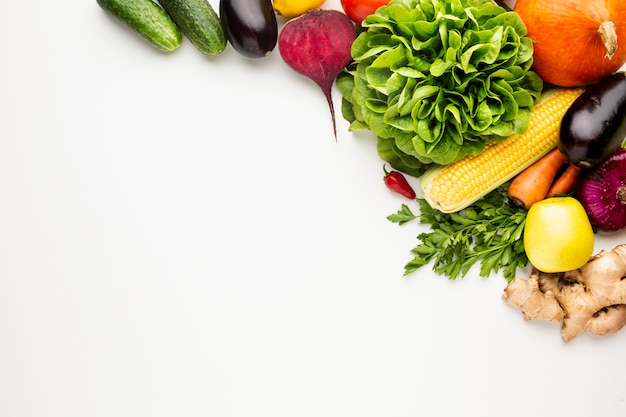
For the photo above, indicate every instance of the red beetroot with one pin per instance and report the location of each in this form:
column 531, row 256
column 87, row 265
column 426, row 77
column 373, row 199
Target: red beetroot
column 317, row 45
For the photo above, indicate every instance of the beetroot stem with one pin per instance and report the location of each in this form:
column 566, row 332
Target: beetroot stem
column 329, row 99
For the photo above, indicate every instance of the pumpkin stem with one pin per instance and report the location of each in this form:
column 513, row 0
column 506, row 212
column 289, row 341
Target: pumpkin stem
column 608, row 34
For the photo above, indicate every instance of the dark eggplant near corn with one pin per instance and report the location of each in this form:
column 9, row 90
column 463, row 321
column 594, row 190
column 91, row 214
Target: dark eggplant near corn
column 595, row 125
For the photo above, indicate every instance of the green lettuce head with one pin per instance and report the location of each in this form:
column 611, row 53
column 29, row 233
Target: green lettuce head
column 436, row 80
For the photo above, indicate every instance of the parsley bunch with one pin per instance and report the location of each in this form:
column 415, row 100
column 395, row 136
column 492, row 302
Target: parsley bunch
column 489, row 232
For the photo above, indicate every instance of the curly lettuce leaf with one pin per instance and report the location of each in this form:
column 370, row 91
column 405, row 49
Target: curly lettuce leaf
column 436, row 80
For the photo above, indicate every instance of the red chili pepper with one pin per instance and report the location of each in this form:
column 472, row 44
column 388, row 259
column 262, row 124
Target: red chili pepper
column 397, row 183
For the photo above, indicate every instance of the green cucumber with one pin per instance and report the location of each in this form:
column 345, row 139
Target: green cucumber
column 147, row 19
column 199, row 22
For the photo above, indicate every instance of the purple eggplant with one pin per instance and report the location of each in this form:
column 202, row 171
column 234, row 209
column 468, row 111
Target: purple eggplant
column 250, row 26
column 595, row 124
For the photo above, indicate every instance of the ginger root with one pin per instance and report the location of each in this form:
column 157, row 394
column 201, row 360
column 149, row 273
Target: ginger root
column 589, row 299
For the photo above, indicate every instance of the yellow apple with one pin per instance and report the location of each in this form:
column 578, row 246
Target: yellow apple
column 558, row 236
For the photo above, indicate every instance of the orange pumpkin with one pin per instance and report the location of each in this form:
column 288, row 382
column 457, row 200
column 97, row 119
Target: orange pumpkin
column 576, row 42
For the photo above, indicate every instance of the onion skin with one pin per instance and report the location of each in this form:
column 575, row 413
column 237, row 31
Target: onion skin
column 602, row 192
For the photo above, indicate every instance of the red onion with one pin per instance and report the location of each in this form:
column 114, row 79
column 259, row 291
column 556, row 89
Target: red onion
column 602, row 192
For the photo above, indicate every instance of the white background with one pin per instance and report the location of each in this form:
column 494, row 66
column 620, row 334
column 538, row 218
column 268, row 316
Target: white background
column 181, row 235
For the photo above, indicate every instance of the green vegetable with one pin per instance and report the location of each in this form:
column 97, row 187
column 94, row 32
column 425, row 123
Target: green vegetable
column 147, row 19
column 490, row 232
column 436, row 80
column 199, row 23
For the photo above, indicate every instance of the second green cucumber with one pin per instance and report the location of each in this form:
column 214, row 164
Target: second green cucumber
column 199, row 22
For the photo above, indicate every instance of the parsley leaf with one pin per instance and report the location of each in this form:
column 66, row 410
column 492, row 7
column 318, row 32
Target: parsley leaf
column 488, row 233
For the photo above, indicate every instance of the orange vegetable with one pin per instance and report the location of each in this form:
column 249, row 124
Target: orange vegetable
column 532, row 184
column 565, row 182
column 576, row 42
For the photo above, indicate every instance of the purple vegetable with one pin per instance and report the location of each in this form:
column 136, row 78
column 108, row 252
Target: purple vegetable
column 317, row 45
column 602, row 192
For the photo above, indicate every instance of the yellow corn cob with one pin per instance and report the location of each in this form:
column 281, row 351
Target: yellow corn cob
column 453, row 187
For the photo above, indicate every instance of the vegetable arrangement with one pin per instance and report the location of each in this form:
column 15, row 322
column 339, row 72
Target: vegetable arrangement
column 521, row 161
column 454, row 186
column 523, row 200
column 600, row 187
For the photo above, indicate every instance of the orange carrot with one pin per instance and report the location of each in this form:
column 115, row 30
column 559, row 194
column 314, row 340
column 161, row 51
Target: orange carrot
column 565, row 182
column 532, row 184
